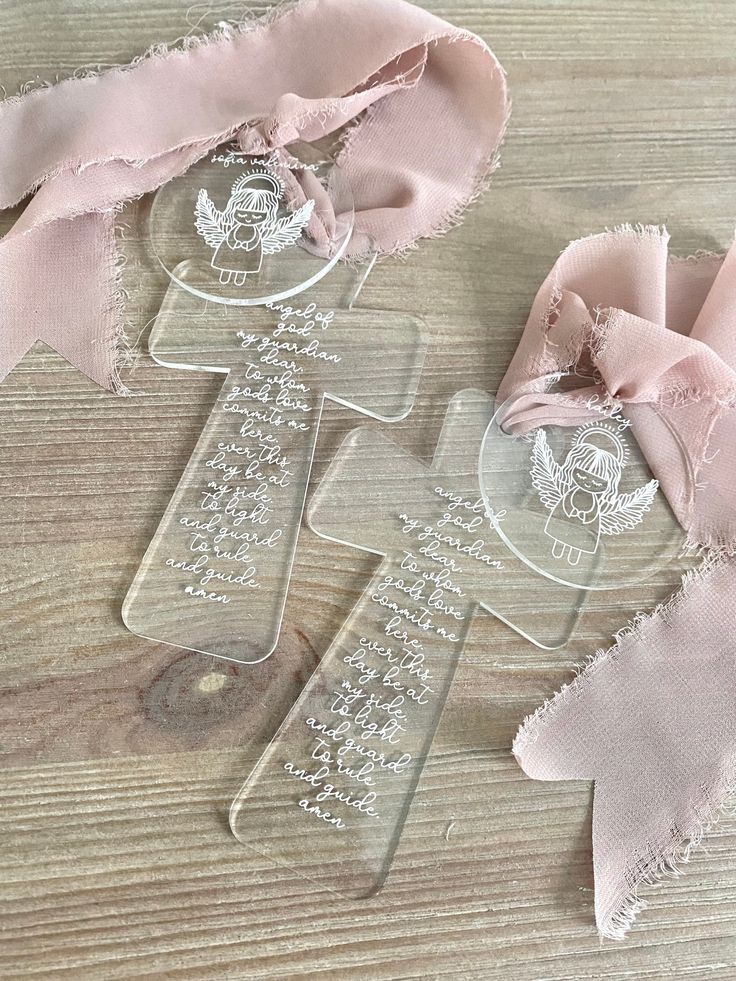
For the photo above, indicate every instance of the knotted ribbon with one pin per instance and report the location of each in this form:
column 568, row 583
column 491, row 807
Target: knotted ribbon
column 652, row 720
column 432, row 106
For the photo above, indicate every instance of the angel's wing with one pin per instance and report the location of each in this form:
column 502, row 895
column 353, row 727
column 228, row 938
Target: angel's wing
column 209, row 222
column 286, row 230
column 626, row 511
column 546, row 472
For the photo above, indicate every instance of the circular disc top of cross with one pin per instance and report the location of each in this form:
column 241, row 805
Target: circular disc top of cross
column 569, row 490
column 246, row 230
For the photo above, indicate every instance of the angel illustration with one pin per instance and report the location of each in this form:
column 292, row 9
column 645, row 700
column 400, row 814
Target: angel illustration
column 248, row 228
column 582, row 493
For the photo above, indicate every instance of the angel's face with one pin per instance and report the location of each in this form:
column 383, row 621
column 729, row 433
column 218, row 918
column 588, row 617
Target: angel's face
column 588, row 481
column 250, row 216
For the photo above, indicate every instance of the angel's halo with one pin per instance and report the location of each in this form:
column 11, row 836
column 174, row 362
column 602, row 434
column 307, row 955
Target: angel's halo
column 259, row 174
column 616, row 446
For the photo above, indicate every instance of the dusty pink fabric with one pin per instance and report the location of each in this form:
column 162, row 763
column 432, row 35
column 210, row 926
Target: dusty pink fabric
column 435, row 111
column 653, row 719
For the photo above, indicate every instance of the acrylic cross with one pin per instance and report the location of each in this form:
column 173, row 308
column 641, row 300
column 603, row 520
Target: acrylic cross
column 330, row 795
column 216, row 574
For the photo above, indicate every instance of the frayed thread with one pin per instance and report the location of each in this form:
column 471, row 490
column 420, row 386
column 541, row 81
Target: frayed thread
column 123, row 354
column 707, row 816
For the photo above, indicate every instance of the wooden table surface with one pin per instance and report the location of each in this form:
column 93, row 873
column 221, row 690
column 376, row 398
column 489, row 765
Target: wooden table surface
column 121, row 756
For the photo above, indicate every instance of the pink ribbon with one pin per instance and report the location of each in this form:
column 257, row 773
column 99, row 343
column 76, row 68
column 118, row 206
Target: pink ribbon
column 658, row 333
column 434, row 108
column 652, row 720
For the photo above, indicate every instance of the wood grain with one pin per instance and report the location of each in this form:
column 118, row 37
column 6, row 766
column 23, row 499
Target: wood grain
column 121, row 756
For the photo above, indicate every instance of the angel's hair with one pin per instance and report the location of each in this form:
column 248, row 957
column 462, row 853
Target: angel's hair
column 253, row 199
column 595, row 460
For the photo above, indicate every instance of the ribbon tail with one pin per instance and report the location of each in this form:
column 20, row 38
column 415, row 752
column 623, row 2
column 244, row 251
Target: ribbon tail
column 41, row 298
column 653, row 721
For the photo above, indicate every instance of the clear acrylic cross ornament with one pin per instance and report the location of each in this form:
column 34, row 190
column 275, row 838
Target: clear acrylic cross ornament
column 330, row 795
column 216, row 574
column 577, row 502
